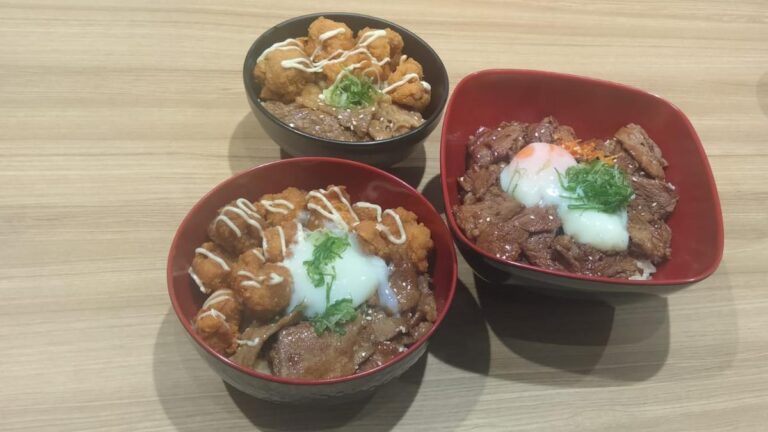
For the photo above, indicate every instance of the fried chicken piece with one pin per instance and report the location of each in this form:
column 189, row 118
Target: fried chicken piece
column 320, row 50
column 320, row 214
column 383, row 239
column 281, row 207
column 389, row 47
column 211, row 267
column 278, row 82
column 238, row 227
column 418, row 242
column 218, row 321
column 248, row 264
column 267, row 293
column 367, row 212
column 371, row 240
column 414, row 93
column 277, row 240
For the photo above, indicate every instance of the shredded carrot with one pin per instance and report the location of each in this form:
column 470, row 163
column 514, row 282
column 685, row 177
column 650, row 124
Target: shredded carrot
column 585, row 152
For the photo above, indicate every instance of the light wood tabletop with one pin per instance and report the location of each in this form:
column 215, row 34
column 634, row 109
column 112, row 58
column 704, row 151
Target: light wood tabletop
column 116, row 116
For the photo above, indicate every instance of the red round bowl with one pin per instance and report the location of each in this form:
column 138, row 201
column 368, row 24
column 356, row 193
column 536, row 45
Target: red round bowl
column 363, row 183
column 594, row 108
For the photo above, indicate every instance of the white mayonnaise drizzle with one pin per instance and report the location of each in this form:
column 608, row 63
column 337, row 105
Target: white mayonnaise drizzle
column 251, row 283
column 229, row 223
column 243, row 214
column 270, row 205
column 346, row 203
column 284, row 44
column 371, row 35
column 218, row 297
column 217, row 259
column 258, row 254
column 197, row 280
column 385, row 230
column 246, row 274
column 246, row 206
column 376, row 207
column 214, row 313
column 333, row 215
column 275, row 279
column 325, row 36
column 406, row 78
column 281, row 233
column 307, row 65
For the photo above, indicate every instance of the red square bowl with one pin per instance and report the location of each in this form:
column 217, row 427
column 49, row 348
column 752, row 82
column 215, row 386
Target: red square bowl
column 594, row 108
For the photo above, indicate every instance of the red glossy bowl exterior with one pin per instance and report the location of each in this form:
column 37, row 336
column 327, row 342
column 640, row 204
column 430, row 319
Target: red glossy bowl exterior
column 363, row 183
column 594, row 108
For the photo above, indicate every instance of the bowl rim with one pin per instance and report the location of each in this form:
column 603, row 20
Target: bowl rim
column 295, row 381
column 459, row 234
column 256, row 101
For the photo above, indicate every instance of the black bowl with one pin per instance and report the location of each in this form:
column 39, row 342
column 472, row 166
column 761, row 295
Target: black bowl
column 382, row 153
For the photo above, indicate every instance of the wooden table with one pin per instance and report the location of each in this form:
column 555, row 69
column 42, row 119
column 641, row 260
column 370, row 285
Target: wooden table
column 116, row 117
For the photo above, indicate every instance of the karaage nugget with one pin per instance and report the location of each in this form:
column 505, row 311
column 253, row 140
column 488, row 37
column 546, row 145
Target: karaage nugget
column 414, row 93
column 386, row 238
column 268, row 292
column 328, row 37
column 330, row 207
column 282, row 207
column 418, row 242
column 218, row 321
column 238, row 227
column 211, row 268
column 278, row 239
column 279, row 82
column 382, row 44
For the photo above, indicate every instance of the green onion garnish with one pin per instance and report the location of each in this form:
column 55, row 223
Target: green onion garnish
column 328, row 248
column 596, row 186
column 351, row 92
column 340, row 312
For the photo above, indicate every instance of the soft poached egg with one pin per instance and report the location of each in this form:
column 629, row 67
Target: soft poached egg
column 532, row 178
column 358, row 276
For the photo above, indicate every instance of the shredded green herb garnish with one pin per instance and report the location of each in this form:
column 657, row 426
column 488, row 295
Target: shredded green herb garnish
column 351, row 92
column 340, row 312
column 328, row 248
column 596, row 186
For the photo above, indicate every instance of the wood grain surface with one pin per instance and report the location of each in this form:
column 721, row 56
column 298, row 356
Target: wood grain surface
column 116, row 116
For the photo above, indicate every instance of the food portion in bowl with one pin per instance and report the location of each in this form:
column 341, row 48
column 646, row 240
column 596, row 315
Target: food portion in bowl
column 537, row 194
column 337, row 84
column 313, row 285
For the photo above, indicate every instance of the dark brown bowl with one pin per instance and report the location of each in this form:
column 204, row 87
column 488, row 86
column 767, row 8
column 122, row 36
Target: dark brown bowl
column 363, row 183
column 593, row 108
column 380, row 153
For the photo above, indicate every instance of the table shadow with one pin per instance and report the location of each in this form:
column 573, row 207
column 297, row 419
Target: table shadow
column 433, row 192
column 412, row 169
column 394, row 398
column 246, row 145
column 462, row 339
column 619, row 338
column 191, row 394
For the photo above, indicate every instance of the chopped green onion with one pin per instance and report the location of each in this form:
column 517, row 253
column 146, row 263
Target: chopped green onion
column 340, row 312
column 351, row 92
column 596, row 186
column 328, row 248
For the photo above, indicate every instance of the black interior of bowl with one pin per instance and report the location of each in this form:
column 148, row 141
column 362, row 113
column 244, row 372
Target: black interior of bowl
column 434, row 70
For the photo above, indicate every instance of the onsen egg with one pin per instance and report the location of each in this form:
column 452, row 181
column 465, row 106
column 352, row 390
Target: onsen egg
column 357, row 276
column 533, row 179
column 532, row 176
